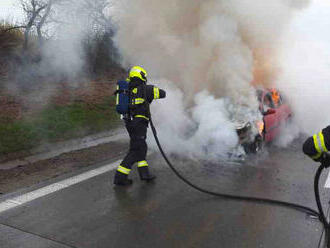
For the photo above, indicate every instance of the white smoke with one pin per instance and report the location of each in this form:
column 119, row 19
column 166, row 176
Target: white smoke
column 209, row 50
column 305, row 76
column 65, row 53
column 72, row 34
column 195, row 131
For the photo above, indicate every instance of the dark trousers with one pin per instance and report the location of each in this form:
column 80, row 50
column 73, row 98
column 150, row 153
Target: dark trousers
column 137, row 130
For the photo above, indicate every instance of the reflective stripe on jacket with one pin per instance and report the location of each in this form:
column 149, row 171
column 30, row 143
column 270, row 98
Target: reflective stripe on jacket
column 317, row 144
column 140, row 92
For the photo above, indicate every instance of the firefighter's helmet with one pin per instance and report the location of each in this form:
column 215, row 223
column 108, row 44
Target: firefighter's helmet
column 139, row 72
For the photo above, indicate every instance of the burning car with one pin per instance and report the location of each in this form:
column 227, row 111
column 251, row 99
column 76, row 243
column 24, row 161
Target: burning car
column 274, row 112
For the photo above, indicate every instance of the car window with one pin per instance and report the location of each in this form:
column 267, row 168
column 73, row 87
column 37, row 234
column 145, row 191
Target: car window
column 268, row 102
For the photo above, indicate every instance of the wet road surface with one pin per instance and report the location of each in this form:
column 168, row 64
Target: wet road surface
column 168, row 213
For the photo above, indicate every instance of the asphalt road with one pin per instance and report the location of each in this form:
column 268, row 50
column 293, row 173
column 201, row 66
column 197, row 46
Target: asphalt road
column 168, row 213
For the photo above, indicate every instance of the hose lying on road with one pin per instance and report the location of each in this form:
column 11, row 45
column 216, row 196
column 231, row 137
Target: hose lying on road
column 298, row 207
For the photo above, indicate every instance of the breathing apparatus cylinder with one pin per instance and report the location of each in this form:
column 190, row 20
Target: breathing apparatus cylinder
column 123, row 99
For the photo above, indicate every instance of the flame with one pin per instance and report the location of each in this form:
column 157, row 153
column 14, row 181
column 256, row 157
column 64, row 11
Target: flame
column 261, row 126
column 275, row 96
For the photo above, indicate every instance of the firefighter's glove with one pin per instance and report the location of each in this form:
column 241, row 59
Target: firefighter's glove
column 325, row 159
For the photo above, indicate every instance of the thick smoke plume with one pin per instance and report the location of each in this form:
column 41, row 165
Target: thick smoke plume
column 210, row 53
column 305, row 74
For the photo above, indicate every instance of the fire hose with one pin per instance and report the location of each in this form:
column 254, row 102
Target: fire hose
column 311, row 212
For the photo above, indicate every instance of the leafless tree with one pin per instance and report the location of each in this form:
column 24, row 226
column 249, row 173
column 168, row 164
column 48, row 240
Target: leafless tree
column 95, row 12
column 37, row 13
column 43, row 19
column 98, row 44
column 90, row 19
column 48, row 16
column 41, row 12
column 32, row 9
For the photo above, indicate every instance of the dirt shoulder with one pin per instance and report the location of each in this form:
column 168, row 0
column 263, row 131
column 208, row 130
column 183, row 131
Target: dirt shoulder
column 20, row 177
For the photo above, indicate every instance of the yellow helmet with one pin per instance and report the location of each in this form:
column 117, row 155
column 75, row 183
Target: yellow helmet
column 138, row 72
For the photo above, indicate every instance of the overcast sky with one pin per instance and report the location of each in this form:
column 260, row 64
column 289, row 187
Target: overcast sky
column 9, row 10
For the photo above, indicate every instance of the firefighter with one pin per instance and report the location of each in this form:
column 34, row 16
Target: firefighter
column 136, row 123
column 318, row 146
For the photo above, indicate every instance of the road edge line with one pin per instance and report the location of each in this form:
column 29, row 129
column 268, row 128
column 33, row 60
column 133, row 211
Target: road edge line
column 52, row 188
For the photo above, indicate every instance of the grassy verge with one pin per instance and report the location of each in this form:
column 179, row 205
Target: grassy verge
column 58, row 123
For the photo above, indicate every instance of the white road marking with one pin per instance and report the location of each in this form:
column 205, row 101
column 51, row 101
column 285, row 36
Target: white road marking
column 28, row 197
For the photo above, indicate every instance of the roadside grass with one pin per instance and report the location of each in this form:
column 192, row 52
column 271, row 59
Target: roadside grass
column 16, row 137
column 58, row 123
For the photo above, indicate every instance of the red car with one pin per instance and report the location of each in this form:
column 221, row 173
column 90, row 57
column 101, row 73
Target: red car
column 275, row 112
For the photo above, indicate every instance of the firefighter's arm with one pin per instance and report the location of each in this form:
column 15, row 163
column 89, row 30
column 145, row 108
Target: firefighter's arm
column 154, row 93
column 158, row 93
column 309, row 148
column 318, row 144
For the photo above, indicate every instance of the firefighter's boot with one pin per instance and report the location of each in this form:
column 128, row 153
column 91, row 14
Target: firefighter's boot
column 145, row 175
column 122, row 179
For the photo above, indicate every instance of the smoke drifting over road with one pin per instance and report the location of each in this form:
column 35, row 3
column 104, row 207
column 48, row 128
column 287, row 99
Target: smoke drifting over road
column 209, row 52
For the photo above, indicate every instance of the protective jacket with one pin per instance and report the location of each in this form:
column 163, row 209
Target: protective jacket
column 140, row 92
column 317, row 144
